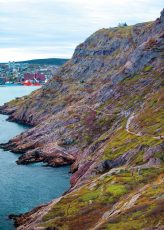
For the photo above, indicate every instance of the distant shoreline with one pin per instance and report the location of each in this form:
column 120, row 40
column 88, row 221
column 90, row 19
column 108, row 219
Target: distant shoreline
column 44, row 61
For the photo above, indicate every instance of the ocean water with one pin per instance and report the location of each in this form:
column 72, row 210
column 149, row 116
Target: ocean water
column 22, row 187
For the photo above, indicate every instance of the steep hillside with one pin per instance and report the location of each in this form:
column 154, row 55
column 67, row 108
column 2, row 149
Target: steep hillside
column 103, row 114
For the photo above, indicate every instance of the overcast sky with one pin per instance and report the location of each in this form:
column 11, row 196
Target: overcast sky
column 31, row 29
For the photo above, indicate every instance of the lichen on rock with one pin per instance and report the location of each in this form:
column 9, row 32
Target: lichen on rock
column 103, row 114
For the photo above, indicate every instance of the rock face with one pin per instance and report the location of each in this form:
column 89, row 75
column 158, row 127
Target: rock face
column 102, row 113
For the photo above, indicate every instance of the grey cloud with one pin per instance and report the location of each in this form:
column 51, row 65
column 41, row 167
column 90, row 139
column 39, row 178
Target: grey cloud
column 65, row 23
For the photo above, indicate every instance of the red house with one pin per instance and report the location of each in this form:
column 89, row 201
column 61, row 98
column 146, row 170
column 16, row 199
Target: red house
column 36, row 77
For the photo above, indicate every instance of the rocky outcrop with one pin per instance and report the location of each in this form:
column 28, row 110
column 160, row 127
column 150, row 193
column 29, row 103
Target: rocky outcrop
column 102, row 113
column 57, row 158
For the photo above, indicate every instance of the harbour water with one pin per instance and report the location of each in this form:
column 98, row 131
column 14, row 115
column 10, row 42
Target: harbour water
column 22, row 187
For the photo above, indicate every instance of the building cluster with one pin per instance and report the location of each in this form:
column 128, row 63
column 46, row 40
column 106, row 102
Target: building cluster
column 22, row 73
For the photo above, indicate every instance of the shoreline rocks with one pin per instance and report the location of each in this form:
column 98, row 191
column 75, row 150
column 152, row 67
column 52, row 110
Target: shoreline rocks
column 80, row 117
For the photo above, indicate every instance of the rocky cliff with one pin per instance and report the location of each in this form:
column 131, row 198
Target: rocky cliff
column 102, row 113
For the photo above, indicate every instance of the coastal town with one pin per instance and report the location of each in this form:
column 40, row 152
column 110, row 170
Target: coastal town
column 13, row 73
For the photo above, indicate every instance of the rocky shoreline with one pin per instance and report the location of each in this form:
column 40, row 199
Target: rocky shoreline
column 101, row 114
column 55, row 159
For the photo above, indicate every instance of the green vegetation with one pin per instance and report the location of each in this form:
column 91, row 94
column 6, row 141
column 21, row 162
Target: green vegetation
column 147, row 68
column 147, row 212
column 87, row 139
column 101, row 134
column 117, row 190
column 85, row 205
column 120, row 32
column 122, row 141
column 150, row 120
column 90, row 195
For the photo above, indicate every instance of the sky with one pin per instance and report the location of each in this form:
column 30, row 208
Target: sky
column 32, row 29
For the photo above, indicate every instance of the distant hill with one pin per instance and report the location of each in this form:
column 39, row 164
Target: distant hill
column 48, row 61
column 102, row 114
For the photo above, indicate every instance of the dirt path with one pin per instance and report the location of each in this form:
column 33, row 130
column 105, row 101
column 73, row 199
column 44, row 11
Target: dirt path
column 110, row 114
column 137, row 134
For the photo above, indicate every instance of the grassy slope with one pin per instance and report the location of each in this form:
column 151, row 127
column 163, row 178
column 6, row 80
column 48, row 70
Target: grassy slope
column 135, row 200
column 84, row 207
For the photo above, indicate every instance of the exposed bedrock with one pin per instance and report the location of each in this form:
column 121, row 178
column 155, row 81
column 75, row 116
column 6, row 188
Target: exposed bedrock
column 102, row 113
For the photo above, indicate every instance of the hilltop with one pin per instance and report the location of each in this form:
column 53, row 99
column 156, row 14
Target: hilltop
column 102, row 113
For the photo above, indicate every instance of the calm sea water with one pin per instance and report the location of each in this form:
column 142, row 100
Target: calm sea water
column 24, row 187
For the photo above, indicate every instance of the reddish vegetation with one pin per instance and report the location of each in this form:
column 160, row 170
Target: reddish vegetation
column 102, row 113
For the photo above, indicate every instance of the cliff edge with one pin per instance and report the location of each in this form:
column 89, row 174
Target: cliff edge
column 102, row 113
